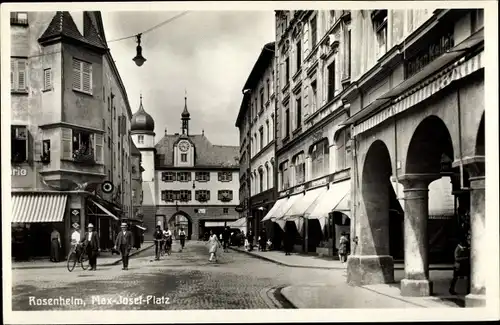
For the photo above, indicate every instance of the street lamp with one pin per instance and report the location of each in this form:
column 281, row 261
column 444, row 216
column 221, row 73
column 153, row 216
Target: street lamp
column 139, row 59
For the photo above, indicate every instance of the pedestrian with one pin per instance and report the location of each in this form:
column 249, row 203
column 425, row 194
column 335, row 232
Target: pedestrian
column 75, row 238
column 343, row 247
column 167, row 235
column 124, row 244
column 288, row 239
column 461, row 267
column 250, row 238
column 91, row 244
column 214, row 245
column 158, row 236
column 225, row 238
column 55, row 245
column 182, row 237
column 262, row 240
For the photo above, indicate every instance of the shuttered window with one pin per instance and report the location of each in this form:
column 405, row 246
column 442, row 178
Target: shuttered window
column 99, row 145
column 47, row 79
column 18, row 74
column 82, row 76
column 67, row 143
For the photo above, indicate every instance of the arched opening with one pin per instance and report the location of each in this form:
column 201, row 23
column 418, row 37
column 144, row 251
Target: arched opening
column 180, row 220
column 480, row 138
column 376, row 189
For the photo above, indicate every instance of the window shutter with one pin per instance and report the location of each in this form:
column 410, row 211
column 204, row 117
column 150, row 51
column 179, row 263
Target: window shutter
column 66, row 143
column 86, row 77
column 12, row 74
column 47, row 77
column 77, row 78
column 99, row 153
column 38, row 150
column 21, row 66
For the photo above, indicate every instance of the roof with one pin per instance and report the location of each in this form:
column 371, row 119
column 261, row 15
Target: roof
column 62, row 25
column 133, row 150
column 141, row 120
column 206, row 154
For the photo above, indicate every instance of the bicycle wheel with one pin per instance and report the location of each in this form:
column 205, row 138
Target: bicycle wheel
column 84, row 261
column 71, row 261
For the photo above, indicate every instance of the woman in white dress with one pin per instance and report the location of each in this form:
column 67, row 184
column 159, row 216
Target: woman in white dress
column 214, row 245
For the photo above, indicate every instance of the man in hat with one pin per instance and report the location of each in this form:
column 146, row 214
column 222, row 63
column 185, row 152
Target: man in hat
column 91, row 242
column 124, row 244
column 55, row 245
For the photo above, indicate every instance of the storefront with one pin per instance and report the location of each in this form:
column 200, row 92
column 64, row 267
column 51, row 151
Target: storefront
column 261, row 204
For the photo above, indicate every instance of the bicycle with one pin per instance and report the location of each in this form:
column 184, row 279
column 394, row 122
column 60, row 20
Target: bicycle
column 168, row 247
column 74, row 257
column 160, row 248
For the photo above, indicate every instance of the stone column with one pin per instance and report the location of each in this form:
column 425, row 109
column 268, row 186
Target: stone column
column 479, row 247
column 416, row 242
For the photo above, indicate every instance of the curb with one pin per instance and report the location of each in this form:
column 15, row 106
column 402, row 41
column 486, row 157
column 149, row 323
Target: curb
column 285, row 264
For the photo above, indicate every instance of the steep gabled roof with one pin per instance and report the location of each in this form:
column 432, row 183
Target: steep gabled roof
column 206, row 154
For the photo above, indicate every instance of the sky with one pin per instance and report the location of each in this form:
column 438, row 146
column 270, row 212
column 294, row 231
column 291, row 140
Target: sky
column 207, row 54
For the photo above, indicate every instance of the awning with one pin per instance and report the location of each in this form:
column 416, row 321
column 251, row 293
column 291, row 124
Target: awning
column 273, row 210
column 279, row 215
column 215, row 223
column 328, row 201
column 140, row 227
column 38, row 207
column 106, row 211
column 241, row 222
column 303, row 202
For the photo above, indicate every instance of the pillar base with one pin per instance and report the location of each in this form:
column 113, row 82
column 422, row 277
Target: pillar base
column 475, row 300
column 416, row 288
column 370, row 269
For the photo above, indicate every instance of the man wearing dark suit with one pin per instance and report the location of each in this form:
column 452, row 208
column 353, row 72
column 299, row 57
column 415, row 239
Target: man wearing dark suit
column 124, row 244
column 91, row 244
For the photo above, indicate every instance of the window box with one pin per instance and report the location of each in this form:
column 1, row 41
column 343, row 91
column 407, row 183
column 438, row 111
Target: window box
column 225, row 176
column 225, row 195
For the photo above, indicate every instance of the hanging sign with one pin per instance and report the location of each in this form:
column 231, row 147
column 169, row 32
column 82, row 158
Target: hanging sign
column 107, row 187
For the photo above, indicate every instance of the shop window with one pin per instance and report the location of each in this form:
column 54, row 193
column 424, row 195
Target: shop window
column 184, row 177
column 202, row 195
column 202, row 176
column 320, row 159
column 184, row 195
column 168, row 177
column 225, row 176
column 19, row 144
column 300, row 168
column 225, row 195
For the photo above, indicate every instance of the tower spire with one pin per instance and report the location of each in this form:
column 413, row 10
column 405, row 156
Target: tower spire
column 185, row 116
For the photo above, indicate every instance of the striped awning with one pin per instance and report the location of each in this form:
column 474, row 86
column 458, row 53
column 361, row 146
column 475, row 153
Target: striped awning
column 38, row 207
column 276, row 207
column 424, row 90
column 241, row 222
column 106, row 211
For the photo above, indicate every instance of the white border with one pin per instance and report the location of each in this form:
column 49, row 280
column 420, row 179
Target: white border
column 491, row 312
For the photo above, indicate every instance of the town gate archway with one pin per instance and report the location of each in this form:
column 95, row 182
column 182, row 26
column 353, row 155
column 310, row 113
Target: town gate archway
column 178, row 220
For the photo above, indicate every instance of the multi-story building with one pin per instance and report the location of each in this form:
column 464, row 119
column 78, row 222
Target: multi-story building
column 259, row 101
column 136, row 171
column 417, row 119
column 243, row 125
column 62, row 79
column 313, row 56
column 188, row 182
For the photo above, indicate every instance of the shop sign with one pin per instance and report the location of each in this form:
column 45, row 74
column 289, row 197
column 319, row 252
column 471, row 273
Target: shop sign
column 285, row 193
column 429, row 54
column 75, row 215
column 19, row 171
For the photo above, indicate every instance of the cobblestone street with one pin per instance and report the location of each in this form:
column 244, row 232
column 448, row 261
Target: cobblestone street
column 186, row 279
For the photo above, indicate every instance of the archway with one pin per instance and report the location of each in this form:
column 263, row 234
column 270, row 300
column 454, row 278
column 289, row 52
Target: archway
column 376, row 197
column 480, row 149
column 179, row 220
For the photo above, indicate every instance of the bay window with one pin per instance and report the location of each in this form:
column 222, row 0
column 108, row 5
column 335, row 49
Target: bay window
column 82, row 146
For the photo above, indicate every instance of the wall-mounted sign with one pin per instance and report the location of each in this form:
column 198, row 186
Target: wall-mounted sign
column 299, row 189
column 75, row 215
column 107, row 187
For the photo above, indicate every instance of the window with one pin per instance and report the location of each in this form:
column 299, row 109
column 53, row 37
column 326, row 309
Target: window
column 184, row 195
column 262, row 99
column 268, row 89
column 109, row 142
column 332, row 17
column 287, row 122
column 82, row 146
column 140, row 139
column 47, row 79
column 202, row 195
column 225, row 210
column 287, row 70
column 225, row 176
column 82, row 76
column 320, row 159
column 267, row 131
column 261, row 134
column 19, row 18
column 168, row 196
column 19, row 144
column 184, row 157
column 284, row 177
column 349, row 52
column 300, row 168
column 299, row 55
column 261, row 180
column 269, row 176
column 45, row 156
column 184, row 176
column 114, row 112
column 133, row 194
column 379, row 19
column 331, row 81
column 168, row 177
column 82, row 143
column 298, row 111
column 18, row 74
column 202, row 176
column 314, row 32
column 225, row 195
column 314, row 96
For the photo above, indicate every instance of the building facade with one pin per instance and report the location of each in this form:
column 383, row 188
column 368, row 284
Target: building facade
column 136, row 171
column 258, row 103
column 416, row 118
column 60, row 149
column 243, row 125
column 313, row 53
column 188, row 182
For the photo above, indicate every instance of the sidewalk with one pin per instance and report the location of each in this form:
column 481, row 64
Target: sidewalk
column 104, row 259
column 370, row 296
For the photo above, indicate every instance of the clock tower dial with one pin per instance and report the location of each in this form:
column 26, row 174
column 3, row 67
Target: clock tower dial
column 184, row 146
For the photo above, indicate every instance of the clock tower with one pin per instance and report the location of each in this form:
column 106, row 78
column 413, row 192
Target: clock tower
column 184, row 148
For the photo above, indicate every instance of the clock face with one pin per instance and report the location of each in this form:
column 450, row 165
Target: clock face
column 184, row 146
